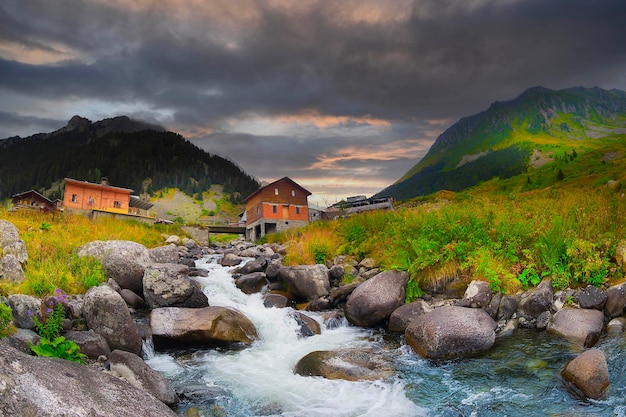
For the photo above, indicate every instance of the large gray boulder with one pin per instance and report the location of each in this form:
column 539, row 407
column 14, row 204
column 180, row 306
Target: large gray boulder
column 106, row 313
column 46, row 387
column 588, row 373
column 256, row 265
column 164, row 254
column 615, row 301
column 24, row 307
column 11, row 269
column 478, row 294
column 375, row 299
column 200, row 326
column 90, row 343
column 592, row 297
column 251, row 283
column 347, row 364
column 404, row 315
column 10, row 242
column 133, row 369
column 581, row 326
column 539, row 300
column 451, row 332
column 306, row 281
column 168, row 285
column 123, row 261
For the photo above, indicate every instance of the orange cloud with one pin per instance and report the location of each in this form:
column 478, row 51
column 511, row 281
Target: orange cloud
column 324, row 121
column 36, row 55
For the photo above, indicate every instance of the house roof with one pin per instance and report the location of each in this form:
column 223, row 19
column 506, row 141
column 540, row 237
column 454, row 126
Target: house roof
column 25, row 193
column 92, row 185
column 289, row 180
column 135, row 201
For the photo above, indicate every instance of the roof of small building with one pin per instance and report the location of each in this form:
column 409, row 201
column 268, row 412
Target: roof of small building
column 93, row 185
column 32, row 192
column 295, row 184
column 135, row 201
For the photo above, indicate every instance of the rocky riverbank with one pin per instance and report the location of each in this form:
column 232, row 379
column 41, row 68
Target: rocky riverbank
column 446, row 323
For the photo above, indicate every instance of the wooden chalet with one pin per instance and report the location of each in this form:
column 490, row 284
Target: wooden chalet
column 32, row 200
column 275, row 207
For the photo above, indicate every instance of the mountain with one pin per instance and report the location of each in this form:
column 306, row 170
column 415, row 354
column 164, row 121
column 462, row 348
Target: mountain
column 500, row 141
column 130, row 153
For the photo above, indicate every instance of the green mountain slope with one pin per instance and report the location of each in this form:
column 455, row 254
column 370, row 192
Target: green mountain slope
column 510, row 137
column 131, row 154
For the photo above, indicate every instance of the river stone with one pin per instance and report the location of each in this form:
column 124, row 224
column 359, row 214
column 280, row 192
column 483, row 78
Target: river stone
column 308, row 325
column 251, row 283
column 24, row 307
column 230, row 259
column 10, row 242
column 592, row 297
column 256, row 265
column 273, row 269
column 136, row 372
column 106, row 313
column 508, row 306
column 173, row 239
column 200, row 326
column 47, row 387
column 123, row 261
column 588, row 373
column 451, row 332
column 11, row 269
column 616, row 326
column 404, row 315
column 581, row 326
column 375, row 299
column 21, row 340
column 478, row 294
column 341, row 293
column 367, row 263
column 336, row 272
column 167, row 285
column 615, row 301
column 132, row 299
column 164, row 254
column 347, row 364
column 90, row 343
column 539, row 300
column 306, row 281
column 275, row 300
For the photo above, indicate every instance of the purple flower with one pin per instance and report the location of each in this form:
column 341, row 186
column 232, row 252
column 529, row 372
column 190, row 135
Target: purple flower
column 30, row 313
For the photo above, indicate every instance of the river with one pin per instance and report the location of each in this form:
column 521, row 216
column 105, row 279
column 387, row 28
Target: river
column 518, row 377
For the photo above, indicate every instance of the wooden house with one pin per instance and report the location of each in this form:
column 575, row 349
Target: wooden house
column 87, row 196
column 275, row 207
column 32, row 200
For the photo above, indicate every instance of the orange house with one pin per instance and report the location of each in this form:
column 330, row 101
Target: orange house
column 276, row 207
column 87, row 196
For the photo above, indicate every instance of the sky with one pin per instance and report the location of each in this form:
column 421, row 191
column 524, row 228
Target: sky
column 342, row 96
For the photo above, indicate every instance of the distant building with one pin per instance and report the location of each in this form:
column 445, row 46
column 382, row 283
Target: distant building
column 86, row 196
column 276, row 207
column 32, row 200
column 358, row 204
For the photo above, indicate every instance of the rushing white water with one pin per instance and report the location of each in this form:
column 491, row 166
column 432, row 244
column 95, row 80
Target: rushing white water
column 260, row 378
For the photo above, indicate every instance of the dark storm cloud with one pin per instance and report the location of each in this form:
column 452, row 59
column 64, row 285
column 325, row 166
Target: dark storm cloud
column 207, row 67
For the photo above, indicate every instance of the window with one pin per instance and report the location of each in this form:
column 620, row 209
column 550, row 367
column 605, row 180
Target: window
column 276, row 191
column 117, row 204
column 297, row 210
column 273, row 209
column 293, row 193
column 258, row 211
column 74, row 198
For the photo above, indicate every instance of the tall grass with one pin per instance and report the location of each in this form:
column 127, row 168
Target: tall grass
column 51, row 241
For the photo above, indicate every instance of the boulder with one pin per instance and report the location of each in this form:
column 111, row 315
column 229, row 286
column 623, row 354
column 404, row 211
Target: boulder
column 132, row 299
column 135, row 371
column 251, row 283
column 90, row 343
column 451, row 332
column 167, row 285
column 588, row 373
column 615, row 301
column 581, row 326
column 106, row 313
column 341, row 293
column 539, row 300
column 616, row 326
column 123, row 261
column 273, row 269
column 24, row 308
column 47, row 387
column 508, row 306
column 11, row 269
column 10, row 242
column 164, row 254
column 494, row 305
column 367, row 263
column 375, row 299
column 308, row 325
column 478, row 294
column 173, row 240
column 22, row 339
column 275, row 300
column 306, row 281
column 404, row 315
column 592, row 297
column 347, row 364
column 200, row 326
column 336, row 273
column 256, row 265
column 230, row 259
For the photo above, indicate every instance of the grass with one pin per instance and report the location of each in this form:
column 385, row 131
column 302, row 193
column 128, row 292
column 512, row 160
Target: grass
column 52, row 240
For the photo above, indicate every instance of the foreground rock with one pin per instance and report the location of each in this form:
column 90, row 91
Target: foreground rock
column 306, row 281
column 588, row 373
column 581, row 326
column 348, row 364
column 133, row 369
column 404, row 315
column 106, row 313
column 123, row 261
column 375, row 299
column 44, row 387
column 450, row 332
column 167, row 285
column 201, row 326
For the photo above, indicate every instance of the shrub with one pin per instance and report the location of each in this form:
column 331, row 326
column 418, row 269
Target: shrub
column 6, row 320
